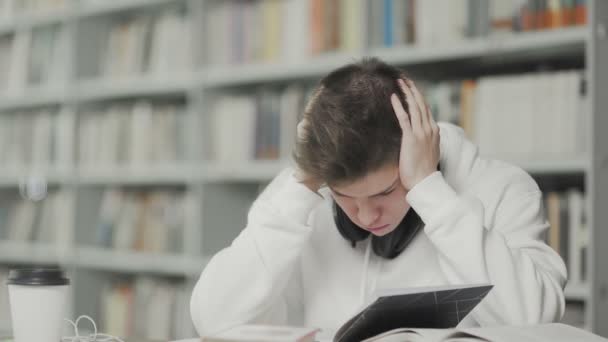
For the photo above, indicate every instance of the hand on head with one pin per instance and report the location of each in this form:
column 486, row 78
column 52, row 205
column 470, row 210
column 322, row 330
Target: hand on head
column 419, row 154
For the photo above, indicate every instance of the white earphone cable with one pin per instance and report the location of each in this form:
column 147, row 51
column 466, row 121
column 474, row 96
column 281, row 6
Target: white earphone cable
column 94, row 337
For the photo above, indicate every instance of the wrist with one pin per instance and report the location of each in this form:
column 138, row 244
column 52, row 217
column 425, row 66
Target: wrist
column 411, row 182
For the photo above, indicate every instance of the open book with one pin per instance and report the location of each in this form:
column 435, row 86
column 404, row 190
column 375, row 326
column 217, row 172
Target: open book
column 425, row 307
column 555, row 332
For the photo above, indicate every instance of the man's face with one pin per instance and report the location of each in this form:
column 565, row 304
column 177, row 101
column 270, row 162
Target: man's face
column 375, row 202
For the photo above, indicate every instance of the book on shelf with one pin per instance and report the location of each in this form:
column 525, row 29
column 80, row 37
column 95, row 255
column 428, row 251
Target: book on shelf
column 568, row 233
column 291, row 111
column 547, row 14
column 267, row 125
column 448, row 25
column 149, row 222
column 255, row 127
column 291, row 46
column 47, row 57
column 5, row 313
column 550, row 114
column 45, row 221
column 17, row 62
column 35, row 139
column 351, row 30
column 145, row 307
column 33, row 59
column 548, row 110
column 138, row 134
column 156, row 45
column 232, row 124
column 6, row 45
column 54, row 219
column 172, row 43
column 126, row 47
column 21, row 224
column 248, row 32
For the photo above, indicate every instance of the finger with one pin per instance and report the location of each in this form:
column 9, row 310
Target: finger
column 435, row 128
column 402, row 117
column 425, row 111
column 301, row 129
column 414, row 110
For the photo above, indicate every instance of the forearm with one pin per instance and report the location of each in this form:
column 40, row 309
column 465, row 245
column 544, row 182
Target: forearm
column 528, row 276
column 246, row 281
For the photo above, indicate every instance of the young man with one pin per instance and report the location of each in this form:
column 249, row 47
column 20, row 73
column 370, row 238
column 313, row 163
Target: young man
column 408, row 203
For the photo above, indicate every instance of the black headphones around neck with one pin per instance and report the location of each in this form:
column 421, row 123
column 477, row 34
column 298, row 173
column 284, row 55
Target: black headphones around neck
column 388, row 246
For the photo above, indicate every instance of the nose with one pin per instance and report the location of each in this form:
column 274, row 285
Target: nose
column 368, row 214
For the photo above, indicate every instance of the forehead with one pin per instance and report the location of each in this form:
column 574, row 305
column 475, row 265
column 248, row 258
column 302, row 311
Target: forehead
column 371, row 184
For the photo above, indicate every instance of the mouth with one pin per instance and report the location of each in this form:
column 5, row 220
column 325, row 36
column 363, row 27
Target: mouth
column 375, row 229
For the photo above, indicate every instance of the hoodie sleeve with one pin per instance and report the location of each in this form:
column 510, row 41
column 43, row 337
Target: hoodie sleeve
column 528, row 276
column 247, row 282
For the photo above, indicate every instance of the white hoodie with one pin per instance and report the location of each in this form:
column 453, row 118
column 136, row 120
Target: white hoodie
column 483, row 224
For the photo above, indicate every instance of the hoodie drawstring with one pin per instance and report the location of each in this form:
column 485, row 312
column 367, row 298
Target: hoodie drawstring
column 368, row 250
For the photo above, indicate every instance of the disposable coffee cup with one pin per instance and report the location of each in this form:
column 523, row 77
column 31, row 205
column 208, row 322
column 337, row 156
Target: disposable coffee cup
column 38, row 299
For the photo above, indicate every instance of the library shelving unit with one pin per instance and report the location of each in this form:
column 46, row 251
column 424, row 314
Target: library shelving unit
column 217, row 195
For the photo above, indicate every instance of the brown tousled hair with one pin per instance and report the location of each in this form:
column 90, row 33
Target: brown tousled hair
column 352, row 128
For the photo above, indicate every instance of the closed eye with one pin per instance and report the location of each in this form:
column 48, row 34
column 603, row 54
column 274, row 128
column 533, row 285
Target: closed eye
column 386, row 193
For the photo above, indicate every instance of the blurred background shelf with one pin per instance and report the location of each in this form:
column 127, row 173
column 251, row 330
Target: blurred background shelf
column 27, row 253
column 33, row 20
column 33, row 98
column 577, row 292
column 239, row 75
column 117, row 6
column 256, row 171
column 530, row 46
column 137, row 262
column 164, row 174
column 51, row 176
column 507, row 48
column 578, row 166
column 146, row 86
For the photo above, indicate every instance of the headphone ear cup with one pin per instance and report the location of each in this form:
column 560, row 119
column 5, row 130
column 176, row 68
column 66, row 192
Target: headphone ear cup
column 347, row 228
column 392, row 244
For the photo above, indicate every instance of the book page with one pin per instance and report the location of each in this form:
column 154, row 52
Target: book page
column 556, row 332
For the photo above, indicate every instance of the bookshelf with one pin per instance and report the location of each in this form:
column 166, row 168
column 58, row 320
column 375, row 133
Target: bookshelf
column 259, row 171
column 215, row 195
column 160, row 175
column 130, row 262
column 89, row 91
column 104, row 7
column 597, row 178
column 526, row 47
column 27, row 21
column 36, row 99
